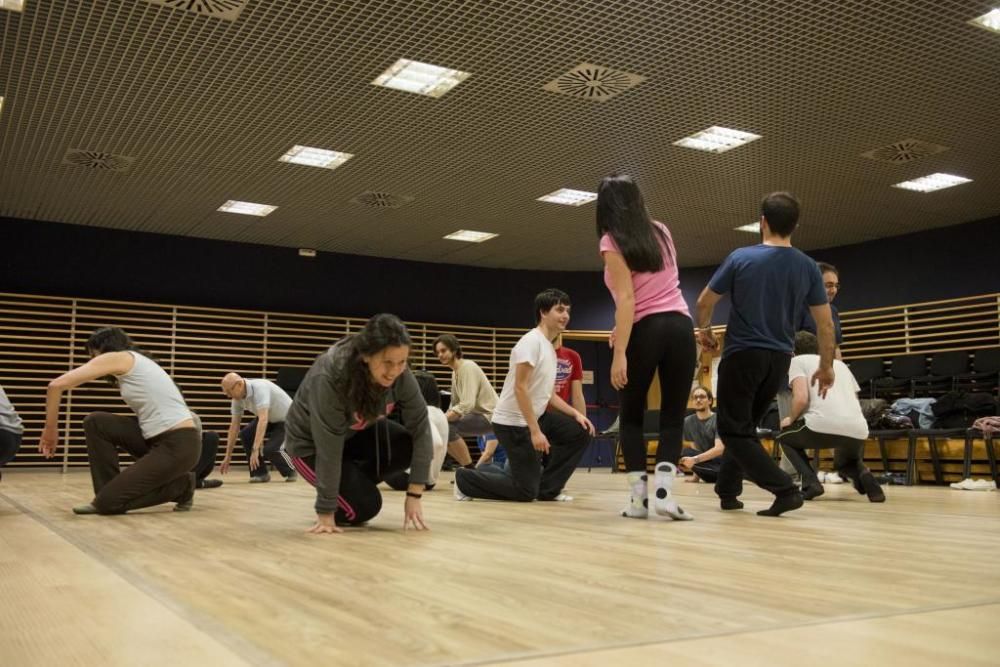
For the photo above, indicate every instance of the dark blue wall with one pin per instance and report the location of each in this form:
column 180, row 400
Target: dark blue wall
column 73, row 260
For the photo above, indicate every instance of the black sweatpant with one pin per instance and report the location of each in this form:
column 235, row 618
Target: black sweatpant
column 661, row 342
column 274, row 436
column 708, row 471
column 748, row 382
column 363, row 467
column 525, row 479
column 209, row 449
column 160, row 474
column 10, row 442
column 847, row 452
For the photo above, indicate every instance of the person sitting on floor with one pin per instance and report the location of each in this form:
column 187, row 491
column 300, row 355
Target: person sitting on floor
column 834, row 422
column 703, row 459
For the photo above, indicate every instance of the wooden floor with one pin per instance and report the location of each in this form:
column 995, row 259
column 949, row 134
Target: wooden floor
column 915, row 581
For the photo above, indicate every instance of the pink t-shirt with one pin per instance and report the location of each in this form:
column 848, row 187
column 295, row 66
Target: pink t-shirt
column 658, row 292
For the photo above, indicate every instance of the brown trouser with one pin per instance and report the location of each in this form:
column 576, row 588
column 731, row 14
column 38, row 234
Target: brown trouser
column 160, row 474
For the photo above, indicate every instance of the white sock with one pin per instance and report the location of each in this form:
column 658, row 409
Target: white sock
column 638, row 503
column 663, row 483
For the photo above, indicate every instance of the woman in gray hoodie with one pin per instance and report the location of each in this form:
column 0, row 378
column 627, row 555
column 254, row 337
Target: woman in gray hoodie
column 337, row 434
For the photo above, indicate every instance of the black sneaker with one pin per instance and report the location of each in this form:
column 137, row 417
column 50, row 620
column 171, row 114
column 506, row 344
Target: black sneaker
column 208, row 483
column 812, row 491
column 186, row 500
column 872, row 488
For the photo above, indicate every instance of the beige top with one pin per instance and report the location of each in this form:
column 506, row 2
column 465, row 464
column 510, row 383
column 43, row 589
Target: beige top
column 471, row 392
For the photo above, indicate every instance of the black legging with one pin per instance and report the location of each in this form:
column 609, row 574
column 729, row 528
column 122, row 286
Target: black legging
column 661, row 342
column 366, row 463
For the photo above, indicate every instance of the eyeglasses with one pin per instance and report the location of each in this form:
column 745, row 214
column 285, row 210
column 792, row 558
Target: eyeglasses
column 831, row 285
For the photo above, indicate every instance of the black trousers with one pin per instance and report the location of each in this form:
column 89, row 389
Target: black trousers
column 847, row 452
column 748, row 382
column 10, row 442
column 274, row 436
column 708, row 471
column 661, row 342
column 161, row 472
column 364, row 466
column 209, row 449
column 526, row 479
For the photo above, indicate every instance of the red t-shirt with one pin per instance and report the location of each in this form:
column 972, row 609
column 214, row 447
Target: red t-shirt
column 569, row 368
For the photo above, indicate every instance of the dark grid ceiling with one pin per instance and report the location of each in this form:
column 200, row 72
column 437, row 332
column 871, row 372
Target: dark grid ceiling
column 198, row 109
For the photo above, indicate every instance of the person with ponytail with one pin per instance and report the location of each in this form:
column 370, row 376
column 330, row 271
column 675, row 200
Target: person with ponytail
column 337, row 435
column 653, row 332
column 161, row 436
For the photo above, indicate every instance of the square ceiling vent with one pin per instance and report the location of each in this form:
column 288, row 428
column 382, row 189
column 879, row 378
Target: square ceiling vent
column 227, row 10
column 593, row 82
column 904, row 151
column 97, row 160
column 374, row 199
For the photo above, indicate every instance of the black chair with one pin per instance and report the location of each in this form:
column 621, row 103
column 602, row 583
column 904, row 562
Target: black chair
column 865, row 372
column 932, row 435
column 971, row 436
column 945, row 366
column 883, row 436
column 903, row 369
column 985, row 372
column 290, row 377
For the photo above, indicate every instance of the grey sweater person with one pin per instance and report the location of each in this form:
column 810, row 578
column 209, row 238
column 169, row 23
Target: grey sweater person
column 320, row 422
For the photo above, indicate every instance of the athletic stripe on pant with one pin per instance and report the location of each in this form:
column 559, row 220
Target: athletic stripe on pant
column 309, row 475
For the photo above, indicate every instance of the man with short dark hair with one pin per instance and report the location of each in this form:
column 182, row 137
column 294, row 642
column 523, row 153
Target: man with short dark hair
column 522, row 425
column 769, row 285
column 472, row 398
column 834, row 421
column 702, row 456
column 831, row 283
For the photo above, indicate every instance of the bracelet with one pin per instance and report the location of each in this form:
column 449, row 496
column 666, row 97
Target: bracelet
column 411, row 494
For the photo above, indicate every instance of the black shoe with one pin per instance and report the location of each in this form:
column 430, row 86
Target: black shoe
column 782, row 504
column 730, row 504
column 871, row 488
column 429, row 487
column 812, row 491
column 186, row 500
column 208, row 483
column 85, row 509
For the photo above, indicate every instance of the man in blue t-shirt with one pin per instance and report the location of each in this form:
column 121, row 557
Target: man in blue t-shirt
column 770, row 286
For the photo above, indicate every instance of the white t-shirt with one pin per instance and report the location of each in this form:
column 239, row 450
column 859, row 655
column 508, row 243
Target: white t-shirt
column 263, row 395
column 153, row 397
column 536, row 350
column 840, row 412
column 439, row 436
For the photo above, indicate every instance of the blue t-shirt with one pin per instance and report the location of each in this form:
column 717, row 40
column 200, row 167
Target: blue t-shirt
column 809, row 324
column 770, row 287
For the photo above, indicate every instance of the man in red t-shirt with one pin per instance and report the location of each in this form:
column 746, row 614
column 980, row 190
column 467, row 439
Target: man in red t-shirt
column 569, row 376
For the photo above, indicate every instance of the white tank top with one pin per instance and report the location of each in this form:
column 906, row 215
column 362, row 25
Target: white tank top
column 153, row 396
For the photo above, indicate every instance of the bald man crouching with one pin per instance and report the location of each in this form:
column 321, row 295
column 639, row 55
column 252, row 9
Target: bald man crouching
column 263, row 436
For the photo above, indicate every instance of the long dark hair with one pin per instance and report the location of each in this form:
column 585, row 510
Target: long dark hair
column 621, row 212
column 362, row 394
column 113, row 339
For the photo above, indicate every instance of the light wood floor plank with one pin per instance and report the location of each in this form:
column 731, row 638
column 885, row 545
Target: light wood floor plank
column 495, row 581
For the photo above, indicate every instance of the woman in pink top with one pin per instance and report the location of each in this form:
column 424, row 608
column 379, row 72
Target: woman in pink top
column 653, row 332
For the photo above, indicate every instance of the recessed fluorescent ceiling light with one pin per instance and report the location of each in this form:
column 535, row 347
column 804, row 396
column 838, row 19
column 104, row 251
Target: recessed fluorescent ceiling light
column 247, row 208
column 13, row 5
column 717, row 139
column 932, row 182
column 569, row 197
column 420, row 78
column 752, row 227
column 315, row 157
column 470, row 236
column 990, row 20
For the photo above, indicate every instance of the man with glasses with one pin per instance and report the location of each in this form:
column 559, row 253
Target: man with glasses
column 699, row 430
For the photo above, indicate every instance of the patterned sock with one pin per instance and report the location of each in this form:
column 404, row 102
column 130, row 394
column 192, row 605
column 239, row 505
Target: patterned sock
column 638, row 503
column 665, row 503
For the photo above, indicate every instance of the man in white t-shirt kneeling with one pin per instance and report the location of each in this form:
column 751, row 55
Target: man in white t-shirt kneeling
column 821, row 423
column 522, row 425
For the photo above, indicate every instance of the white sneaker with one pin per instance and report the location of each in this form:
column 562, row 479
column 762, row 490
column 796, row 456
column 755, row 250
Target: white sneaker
column 459, row 495
column 834, row 478
column 983, row 485
column 821, row 476
column 563, row 498
column 963, row 485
